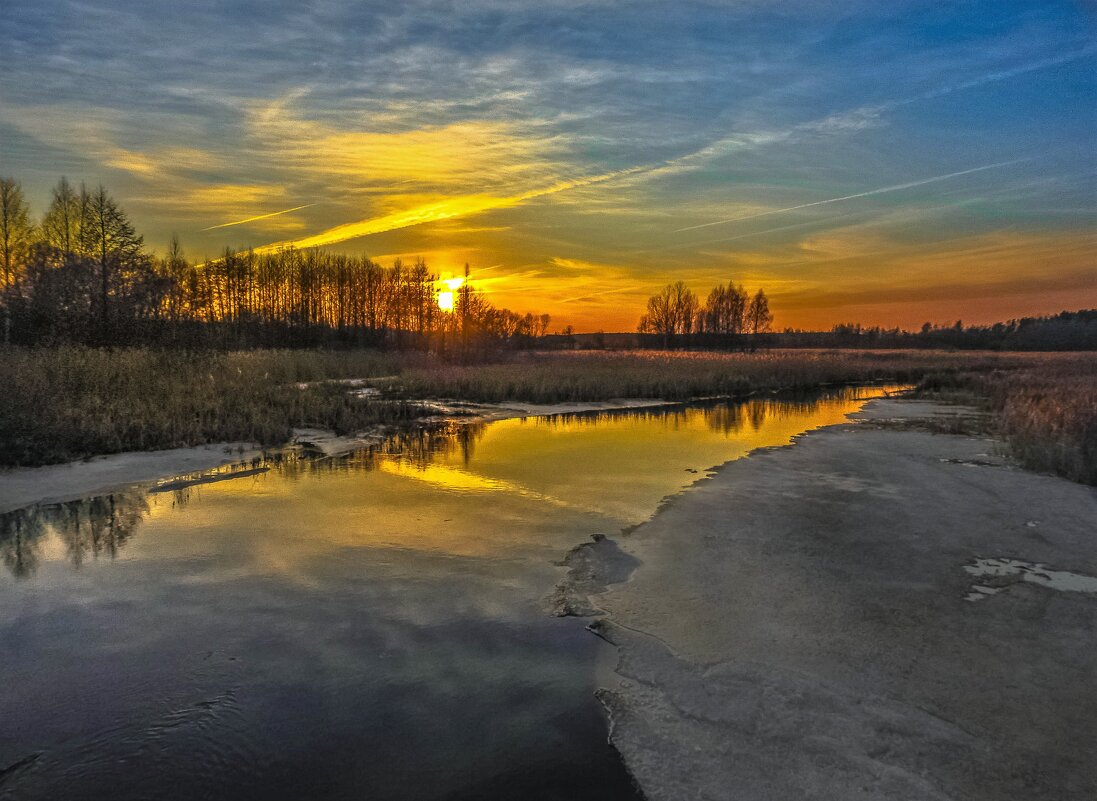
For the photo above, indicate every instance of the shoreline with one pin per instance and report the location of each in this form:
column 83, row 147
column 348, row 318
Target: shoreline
column 99, row 475
column 887, row 612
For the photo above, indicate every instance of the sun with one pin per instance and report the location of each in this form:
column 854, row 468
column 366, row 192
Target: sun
column 445, row 297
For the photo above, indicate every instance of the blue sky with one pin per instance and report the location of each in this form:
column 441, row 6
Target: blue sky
column 581, row 154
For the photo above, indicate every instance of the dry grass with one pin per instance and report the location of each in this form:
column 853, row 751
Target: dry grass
column 1046, row 409
column 593, row 376
column 58, row 404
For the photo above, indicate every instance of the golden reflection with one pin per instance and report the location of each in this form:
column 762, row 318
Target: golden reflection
column 443, row 477
column 477, row 490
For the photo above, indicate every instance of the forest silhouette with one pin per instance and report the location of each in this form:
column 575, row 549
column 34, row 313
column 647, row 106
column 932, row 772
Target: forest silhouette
column 83, row 275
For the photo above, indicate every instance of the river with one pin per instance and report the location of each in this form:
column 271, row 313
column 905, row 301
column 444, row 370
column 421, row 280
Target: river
column 372, row 626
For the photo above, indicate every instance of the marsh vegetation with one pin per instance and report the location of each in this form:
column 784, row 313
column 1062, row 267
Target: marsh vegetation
column 59, row 404
column 1045, row 408
column 64, row 403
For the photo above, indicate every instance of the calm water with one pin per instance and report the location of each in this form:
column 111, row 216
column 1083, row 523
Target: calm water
column 370, row 627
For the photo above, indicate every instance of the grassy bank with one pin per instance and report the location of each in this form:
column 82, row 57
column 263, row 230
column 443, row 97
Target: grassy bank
column 58, row 404
column 1044, row 405
column 596, row 375
column 1045, row 410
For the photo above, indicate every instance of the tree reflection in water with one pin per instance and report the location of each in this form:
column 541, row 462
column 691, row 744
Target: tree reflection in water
column 90, row 527
column 100, row 526
column 19, row 534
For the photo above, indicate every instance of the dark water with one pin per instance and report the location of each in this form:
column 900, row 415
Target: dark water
column 368, row 627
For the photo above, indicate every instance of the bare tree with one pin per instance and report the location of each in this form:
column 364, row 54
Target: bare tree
column 109, row 238
column 174, row 266
column 670, row 312
column 88, row 279
column 16, row 233
column 686, row 305
column 759, row 319
column 64, row 217
column 16, row 230
column 725, row 310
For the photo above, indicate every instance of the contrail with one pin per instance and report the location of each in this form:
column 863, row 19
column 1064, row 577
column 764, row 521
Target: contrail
column 880, row 191
column 603, row 292
column 259, row 217
column 701, row 243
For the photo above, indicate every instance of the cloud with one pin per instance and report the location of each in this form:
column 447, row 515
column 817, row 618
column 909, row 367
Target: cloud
column 448, row 157
column 159, row 163
column 854, row 267
column 869, row 193
column 444, row 209
column 349, row 156
column 520, row 133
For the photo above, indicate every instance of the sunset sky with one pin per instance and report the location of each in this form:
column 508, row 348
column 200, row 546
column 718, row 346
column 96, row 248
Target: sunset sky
column 881, row 162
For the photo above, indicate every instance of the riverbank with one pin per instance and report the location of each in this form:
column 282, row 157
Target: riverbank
column 64, row 403
column 828, row 621
column 99, row 475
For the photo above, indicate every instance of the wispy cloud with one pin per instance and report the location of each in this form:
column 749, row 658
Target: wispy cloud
column 446, row 209
column 616, row 290
column 750, row 234
column 881, row 191
column 462, row 133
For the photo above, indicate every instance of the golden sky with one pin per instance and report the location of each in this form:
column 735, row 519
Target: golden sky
column 862, row 164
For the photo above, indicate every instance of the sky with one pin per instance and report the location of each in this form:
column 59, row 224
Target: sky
column 886, row 163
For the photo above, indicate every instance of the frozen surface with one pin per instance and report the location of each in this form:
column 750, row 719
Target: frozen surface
column 797, row 626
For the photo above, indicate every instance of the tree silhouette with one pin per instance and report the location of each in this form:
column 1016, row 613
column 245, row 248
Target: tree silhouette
column 670, row 312
column 16, row 230
column 61, row 224
column 724, row 311
column 84, row 276
column 107, row 235
column 758, row 317
column 16, row 233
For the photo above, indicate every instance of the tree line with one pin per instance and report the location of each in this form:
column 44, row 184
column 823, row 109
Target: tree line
column 730, row 316
column 1065, row 331
column 83, row 274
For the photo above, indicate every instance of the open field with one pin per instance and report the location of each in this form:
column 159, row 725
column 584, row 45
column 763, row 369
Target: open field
column 58, row 404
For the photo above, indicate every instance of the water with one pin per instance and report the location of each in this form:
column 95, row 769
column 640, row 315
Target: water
column 367, row 627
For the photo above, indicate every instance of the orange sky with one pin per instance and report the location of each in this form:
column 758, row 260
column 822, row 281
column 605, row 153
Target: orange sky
column 862, row 162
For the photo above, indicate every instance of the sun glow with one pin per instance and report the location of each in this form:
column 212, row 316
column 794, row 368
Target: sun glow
column 446, row 296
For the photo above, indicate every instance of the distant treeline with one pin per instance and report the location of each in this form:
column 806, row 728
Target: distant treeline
column 1066, row 331
column 732, row 318
column 1063, row 331
column 82, row 275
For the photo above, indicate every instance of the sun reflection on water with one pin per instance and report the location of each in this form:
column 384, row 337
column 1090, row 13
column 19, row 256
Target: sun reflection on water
column 465, row 490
